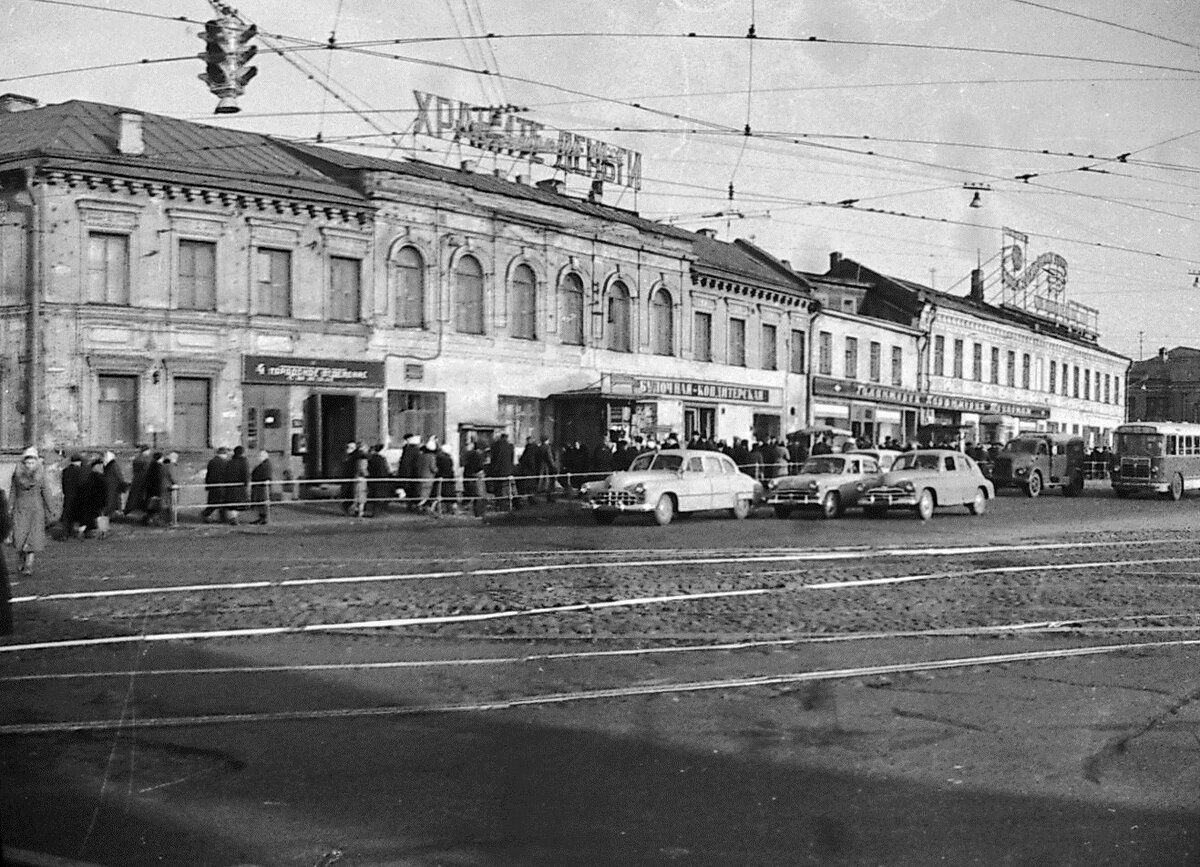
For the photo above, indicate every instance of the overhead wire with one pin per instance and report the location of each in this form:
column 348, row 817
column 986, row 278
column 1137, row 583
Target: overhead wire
column 328, row 68
column 1106, row 22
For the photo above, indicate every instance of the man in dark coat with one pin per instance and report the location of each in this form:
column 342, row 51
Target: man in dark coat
column 381, row 487
column 237, row 481
column 548, row 465
column 502, row 466
column 139, row 491
column 214, row 472
column 474, row 468
column 527, row 472
column 445, row 495
column 406, row 472
column 574, row 464
column 602, row 462
column 115, row 485
column 260, row 485
column 151, row 478
column 73, row 477
column 740, row 454
column 92, row 496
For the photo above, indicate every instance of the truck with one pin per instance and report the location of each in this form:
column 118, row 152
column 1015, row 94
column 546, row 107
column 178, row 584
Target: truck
column 1036, row 461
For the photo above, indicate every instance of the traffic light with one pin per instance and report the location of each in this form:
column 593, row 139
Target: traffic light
column 226, row 56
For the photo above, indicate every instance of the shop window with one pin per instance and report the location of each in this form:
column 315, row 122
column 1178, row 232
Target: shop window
column 274, row 282
column 769, row 348
column 192, row 413
column 570, row 319
column 618, row 319
column 468, row 296
column 662, row 324
column 851, row 371
column 345, row 289
column 737, row 342
column 422, row 413
column 410, row 288
column 797, row 354
column 522, row 417
column 897, row 366
column 108, row 268
column 875, row 362
column 524, row 303
column 939, row 355
column 702, row 336
column 825, row 353
column 116, row 410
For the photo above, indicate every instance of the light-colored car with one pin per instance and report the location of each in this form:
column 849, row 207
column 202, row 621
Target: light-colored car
column 670, row 481
column 831, row 483
column 929, row 478
column 885, row 457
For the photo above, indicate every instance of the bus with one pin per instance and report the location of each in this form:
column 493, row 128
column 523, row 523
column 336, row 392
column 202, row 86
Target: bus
column 1159, row 456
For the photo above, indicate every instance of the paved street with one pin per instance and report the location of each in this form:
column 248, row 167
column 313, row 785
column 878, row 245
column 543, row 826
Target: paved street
column 534, row 689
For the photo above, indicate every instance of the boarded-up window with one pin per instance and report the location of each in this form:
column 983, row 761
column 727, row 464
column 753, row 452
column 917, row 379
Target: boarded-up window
column 524, row 301
column 468, row 296
column 192, row 403
column 116, row 410
column 197, row 275
column 274, row 282
column 345, row 289
column 108, row 268
column 570, row 318
column 662, row 324
column 410, row 288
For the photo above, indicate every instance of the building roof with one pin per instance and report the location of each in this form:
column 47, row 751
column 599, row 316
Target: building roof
column 742, row 262
column 83, row 136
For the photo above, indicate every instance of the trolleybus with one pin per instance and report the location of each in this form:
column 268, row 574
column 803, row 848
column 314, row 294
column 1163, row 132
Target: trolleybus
column 1163, row 457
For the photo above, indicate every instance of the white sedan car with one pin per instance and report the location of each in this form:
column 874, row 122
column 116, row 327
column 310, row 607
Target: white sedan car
column 670, row 481
column 830, row 483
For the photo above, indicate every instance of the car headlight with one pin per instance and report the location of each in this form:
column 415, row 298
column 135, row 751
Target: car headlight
column 1021, row 471
column 585, row 488
column 639, row 489
column 812, row 486
column 907, row 486
column 771, row 483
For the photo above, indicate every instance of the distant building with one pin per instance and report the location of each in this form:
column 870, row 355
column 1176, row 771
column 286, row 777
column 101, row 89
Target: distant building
column 1166, row 387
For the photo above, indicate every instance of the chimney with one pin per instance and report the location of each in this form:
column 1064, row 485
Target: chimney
column 977, row 285
column 786, row 263
column 1162, row 354
column 129, row 138
column 596, row 194
column 707, row 232
column 11, row 103
column 466, row 166
column 552, row 185
column 835, row 259
column 521, row 179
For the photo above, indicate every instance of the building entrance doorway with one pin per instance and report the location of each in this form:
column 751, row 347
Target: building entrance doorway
column 331, row 421
column 699, row 421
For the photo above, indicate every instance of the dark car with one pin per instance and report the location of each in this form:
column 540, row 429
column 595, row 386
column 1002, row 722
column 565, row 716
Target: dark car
column 1034, row 462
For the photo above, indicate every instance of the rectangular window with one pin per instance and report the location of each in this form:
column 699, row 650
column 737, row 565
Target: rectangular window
column 769, row 349
column 702, row 327
column 345, row 289
column 977, row 362
column 12, row 258
column 851, row 371
column 1075, row 386
column 939, row 355
column 418, row 412
column 1087, row 384
column 737, row 342
column 1053, row 377
column 897, row 366
column 522, row 416
column 1108, row 388
column 1096, row 388
column 108, row 268
column 1026, row 370
column 825, row 353
column 995, row 365
column 273, row 282
column 197, row 275
column 1010, row 370
column 958, row 358
column 1117, row 390
column 116, row 410
column 797, row 354
column 875, row 361
column 192, row 412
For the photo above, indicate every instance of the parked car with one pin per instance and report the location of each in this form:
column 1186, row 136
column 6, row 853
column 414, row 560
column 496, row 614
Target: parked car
column 1033, row 462
column 831, row 483
column 928, row 478
column 670, row 481
column 885, row 457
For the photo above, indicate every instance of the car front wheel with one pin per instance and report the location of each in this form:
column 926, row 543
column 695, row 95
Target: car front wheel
column 925, row 505
column 1034, row 486
column 664, row 510
column 741, row 510
column 831, row 505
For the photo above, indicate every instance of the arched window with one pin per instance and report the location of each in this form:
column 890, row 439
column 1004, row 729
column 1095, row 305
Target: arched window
column 618, row 319
column 662, row 324
column 410, row 288
column 524, row 303
column 468, row 296
column 570, row 317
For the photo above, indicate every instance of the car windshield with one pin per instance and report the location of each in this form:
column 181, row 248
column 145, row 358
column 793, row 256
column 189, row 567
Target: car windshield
column 656, row 462
column 822, row 466
column 916, row 461
column 1025, row 447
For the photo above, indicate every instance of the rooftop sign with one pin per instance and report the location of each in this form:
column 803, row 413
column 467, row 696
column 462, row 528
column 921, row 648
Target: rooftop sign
column 498, row 129
column 1039, row 287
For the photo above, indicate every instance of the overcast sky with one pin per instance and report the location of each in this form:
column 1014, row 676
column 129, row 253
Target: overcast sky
column 891, row 70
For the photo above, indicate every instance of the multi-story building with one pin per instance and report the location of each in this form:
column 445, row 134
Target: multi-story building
column 1166, row 386
column 185, row 286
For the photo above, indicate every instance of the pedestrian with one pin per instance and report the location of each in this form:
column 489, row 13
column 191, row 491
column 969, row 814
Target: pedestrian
column 237, row 482
column 548, row 465
column 72, row 479
column 527, row 473
column 138, row 492
column 31, row 509
column 502, row 466
column 214, row 494
column 6, row 621
column 574, row 464
column 381, row 487
column 260, row 486
column 151, row 484
column 92, row 495
column 445, row 495
column 426, row 473
column 406, row 471
column 115, row 487
column 740, row 454
column 350, row 473
column 474, row 471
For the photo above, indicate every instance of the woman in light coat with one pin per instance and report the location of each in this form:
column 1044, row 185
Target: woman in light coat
column 31, row 509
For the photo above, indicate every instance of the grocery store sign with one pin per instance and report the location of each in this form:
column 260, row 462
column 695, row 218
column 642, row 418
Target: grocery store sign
column 500, row 130
column 908, row 397
column 701, row 390
column 286, row 370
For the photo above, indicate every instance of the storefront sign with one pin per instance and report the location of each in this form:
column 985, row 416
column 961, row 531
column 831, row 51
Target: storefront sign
column 286, row 370
column 908, row 397
column 498, row 129
column 687, row 388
